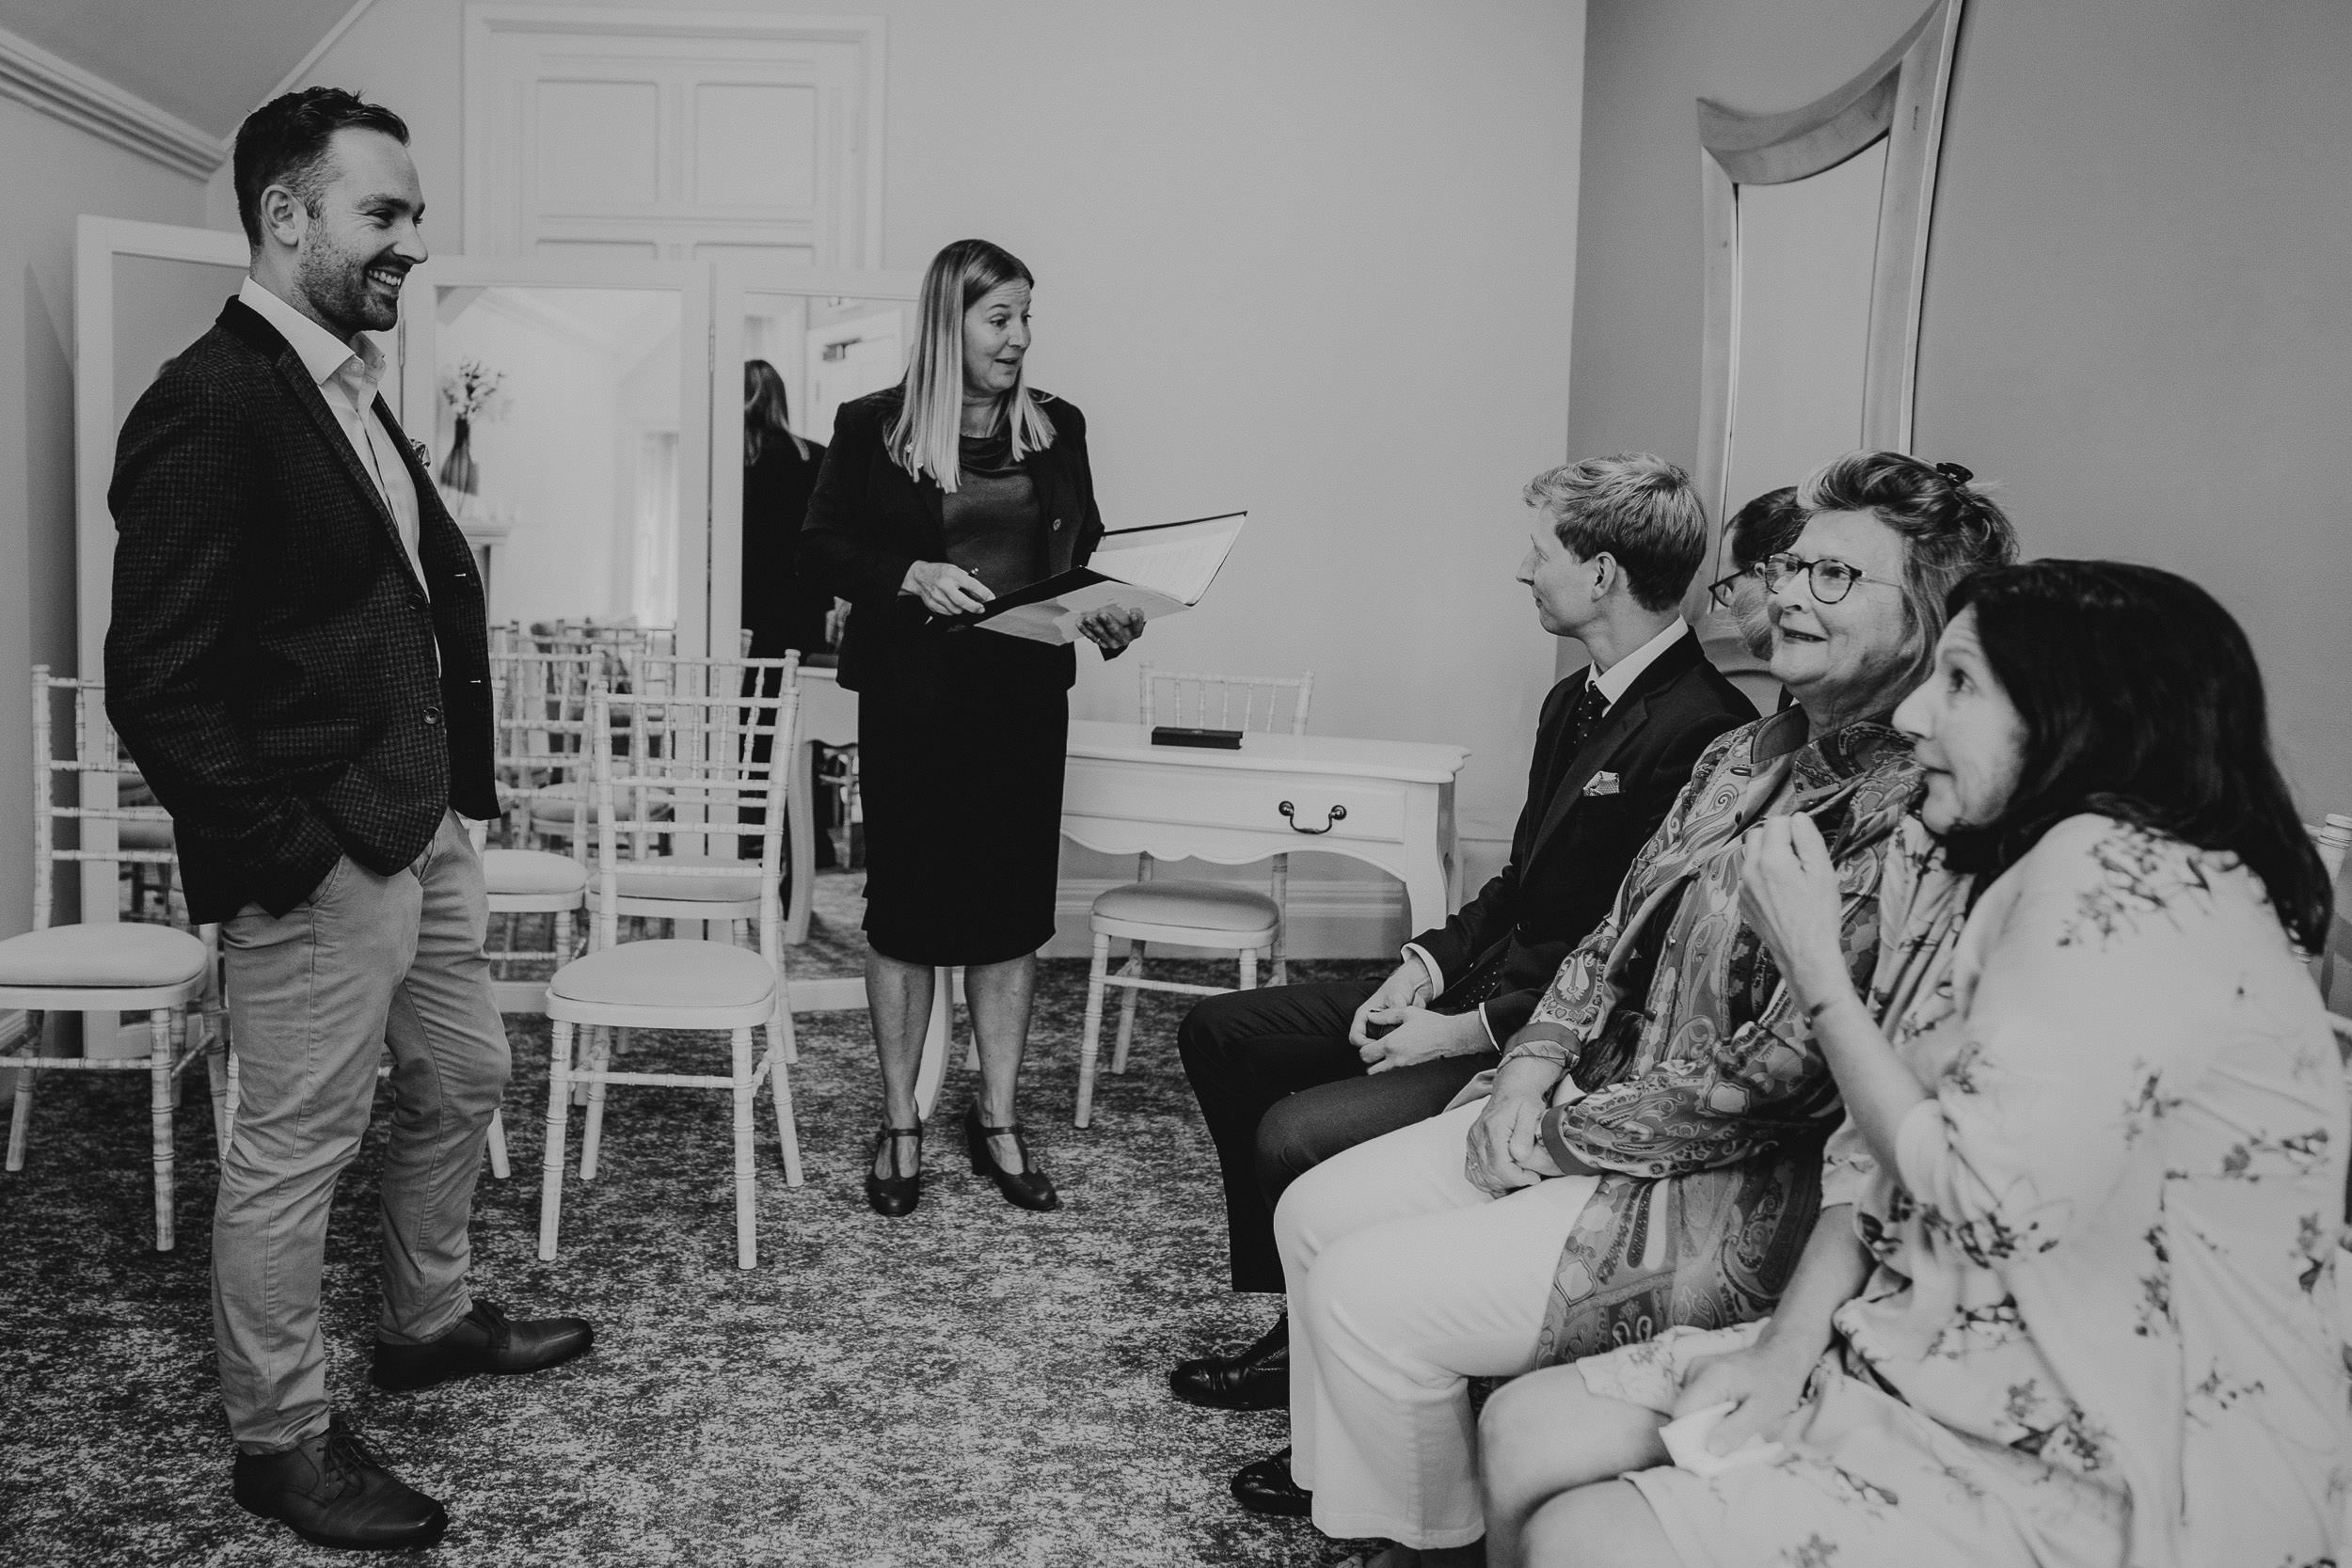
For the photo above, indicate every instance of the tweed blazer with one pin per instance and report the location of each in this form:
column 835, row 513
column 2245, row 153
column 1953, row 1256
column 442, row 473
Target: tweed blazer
column 1574, row 840
column 271, row 659
column 869, row 520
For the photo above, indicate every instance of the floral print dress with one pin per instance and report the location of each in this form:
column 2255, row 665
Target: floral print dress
column 2101, row 1328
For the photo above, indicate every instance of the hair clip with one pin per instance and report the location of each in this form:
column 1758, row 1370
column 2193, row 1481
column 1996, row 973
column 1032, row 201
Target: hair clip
column 1954, row 472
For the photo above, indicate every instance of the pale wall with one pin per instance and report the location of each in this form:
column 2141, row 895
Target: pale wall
column 50, row 173
column 1314, row 258
column 2136, row 311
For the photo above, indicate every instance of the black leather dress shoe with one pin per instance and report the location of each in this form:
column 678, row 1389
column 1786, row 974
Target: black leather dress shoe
column 486, row 1342
column 1258, row 1378
column 334, row 1491
column 1266, row 1487
column 1028, row 1187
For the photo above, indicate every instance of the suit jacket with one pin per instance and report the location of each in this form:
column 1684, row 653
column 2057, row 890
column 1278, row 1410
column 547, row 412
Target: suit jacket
column 270, row 663
column 1572, row 849
column 869, row 520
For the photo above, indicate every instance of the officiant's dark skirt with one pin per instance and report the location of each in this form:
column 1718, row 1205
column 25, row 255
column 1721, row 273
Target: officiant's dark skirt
column 959, row 768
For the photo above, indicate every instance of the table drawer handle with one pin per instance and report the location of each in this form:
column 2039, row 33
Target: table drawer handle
column 1337, row 813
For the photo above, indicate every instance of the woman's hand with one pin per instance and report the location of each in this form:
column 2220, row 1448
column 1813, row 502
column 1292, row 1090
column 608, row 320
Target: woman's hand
column 1111, row 629
column 1504, row 1153
column 946, row 588
column 1788, row 893
column 1763, row 1384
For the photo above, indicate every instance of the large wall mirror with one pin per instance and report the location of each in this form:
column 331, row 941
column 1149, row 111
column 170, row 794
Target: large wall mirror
column 1816, row 226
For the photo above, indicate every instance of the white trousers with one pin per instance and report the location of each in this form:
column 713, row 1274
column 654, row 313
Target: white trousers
column 1406, row 1281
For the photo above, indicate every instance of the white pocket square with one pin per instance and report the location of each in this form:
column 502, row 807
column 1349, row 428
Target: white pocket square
column 1602, row 783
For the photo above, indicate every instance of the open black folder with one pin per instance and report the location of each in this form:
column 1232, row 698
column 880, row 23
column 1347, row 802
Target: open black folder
column 1158, row 570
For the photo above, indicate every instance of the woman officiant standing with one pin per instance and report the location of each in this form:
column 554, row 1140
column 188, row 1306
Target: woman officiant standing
column 939, row 494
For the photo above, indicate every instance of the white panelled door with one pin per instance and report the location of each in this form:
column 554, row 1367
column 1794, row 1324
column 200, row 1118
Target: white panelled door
column 672, row 135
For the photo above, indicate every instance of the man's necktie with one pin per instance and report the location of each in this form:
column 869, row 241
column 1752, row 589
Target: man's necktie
column 1590, row 709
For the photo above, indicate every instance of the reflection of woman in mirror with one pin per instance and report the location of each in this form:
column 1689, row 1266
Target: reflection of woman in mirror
column 939, row 494
column 782, row 609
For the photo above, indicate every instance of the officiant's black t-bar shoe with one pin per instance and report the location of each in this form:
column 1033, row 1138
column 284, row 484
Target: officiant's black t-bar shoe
column 1027, row 1187
column 894, row 1194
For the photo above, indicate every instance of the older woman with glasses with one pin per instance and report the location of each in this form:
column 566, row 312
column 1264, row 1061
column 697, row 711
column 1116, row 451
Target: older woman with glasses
column 1650, row 1151
column 2073, row 1297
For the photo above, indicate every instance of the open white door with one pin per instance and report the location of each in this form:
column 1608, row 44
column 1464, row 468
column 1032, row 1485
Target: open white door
column 784, row 316
column 143, row 291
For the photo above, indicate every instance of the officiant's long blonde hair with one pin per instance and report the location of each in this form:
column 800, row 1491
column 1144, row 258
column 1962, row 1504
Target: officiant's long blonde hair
column 931, row 416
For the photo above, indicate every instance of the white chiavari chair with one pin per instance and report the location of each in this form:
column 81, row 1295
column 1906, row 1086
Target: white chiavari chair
column 681, row 736
column 99, row 966
column 541, row 770
column 706, row 773
column 1216, row 915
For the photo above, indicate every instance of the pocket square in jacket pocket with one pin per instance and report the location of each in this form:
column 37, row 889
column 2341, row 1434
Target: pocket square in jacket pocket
column 1602, row 783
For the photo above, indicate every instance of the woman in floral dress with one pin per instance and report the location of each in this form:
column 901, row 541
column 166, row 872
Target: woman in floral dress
column 2072, row 1298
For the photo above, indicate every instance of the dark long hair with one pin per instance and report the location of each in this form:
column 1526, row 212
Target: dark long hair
column 2140, row 700
column 767, row 412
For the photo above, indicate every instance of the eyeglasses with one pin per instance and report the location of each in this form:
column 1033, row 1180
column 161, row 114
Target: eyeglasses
column 1720, row 590
column 1830, row 578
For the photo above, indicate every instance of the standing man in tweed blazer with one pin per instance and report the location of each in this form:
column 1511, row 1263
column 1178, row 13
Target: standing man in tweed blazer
column 297, row 660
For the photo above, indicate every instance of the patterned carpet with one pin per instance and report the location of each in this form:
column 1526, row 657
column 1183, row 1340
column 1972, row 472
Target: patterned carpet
column 972, row 1385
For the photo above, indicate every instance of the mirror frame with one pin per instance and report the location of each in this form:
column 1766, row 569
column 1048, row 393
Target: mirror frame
column 420, row 330
column 1902, row 96
column 735, row 279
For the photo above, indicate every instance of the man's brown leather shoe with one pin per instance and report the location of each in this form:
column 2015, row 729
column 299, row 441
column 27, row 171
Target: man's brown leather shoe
column 334, row 1491
column 1258, row 1378
column 485, row 1341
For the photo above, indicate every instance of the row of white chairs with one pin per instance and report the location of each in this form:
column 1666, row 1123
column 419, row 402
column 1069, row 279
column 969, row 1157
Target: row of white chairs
column 679, row 776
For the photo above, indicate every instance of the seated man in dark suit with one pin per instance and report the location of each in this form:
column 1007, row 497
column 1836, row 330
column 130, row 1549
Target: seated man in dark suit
column 1288, row 1076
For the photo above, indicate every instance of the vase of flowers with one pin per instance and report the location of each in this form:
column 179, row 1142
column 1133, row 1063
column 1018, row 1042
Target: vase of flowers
column 471, row 392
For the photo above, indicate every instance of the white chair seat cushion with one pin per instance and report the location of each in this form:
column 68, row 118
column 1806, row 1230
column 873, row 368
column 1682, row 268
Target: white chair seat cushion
column 717, row 888
column 127, row 956
column 697, row 974
column 1202, row 906
column 527, row 871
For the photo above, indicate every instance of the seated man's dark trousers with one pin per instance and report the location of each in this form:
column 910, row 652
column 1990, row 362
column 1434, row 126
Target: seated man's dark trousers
column 1283, row 1090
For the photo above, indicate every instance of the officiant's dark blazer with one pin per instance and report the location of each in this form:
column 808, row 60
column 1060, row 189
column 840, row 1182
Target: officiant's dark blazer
column 270, row 663
column 869, row 520
column 1589, row 809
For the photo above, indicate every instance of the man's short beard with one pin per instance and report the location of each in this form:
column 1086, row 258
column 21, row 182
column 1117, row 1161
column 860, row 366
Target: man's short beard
column 340, row 292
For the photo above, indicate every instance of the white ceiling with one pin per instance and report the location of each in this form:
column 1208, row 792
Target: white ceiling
column 210, row 62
